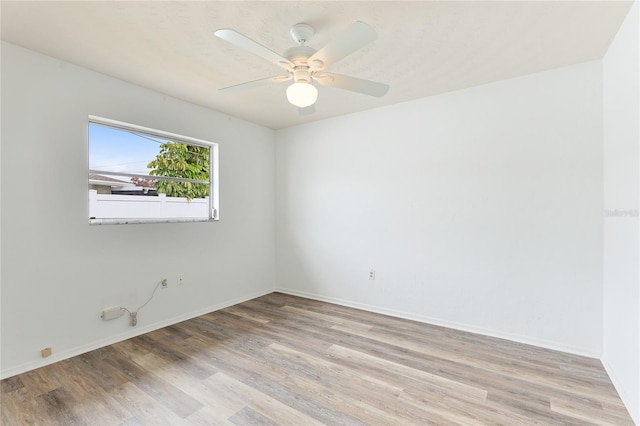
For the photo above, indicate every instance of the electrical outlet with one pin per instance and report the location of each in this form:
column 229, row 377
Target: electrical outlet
column 372, row 274
column 180, row 279
column 46, row 352
column 164, row 282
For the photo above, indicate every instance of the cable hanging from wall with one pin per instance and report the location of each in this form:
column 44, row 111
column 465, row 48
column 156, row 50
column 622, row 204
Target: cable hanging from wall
column 113, row 313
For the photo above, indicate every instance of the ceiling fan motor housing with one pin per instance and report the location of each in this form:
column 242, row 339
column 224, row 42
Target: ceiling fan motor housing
column 299, row 56
column 302, row 75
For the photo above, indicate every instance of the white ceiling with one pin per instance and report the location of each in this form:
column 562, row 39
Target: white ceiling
column 423, row 47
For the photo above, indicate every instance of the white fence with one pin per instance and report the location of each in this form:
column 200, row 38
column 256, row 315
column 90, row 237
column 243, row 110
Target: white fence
column 112, row 206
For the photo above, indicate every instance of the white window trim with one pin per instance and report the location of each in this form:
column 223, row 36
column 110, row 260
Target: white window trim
column 214, row 208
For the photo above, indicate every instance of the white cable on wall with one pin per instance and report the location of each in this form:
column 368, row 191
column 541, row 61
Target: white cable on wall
column 133, row 316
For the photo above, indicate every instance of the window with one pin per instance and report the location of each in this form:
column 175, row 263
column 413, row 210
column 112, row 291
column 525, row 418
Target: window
column 139, row 175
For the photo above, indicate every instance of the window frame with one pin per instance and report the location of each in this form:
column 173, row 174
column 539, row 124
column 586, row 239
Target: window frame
column 214, row 209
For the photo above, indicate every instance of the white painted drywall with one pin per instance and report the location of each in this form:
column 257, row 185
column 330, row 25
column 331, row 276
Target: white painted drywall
column 621, row 77
column 58, row 272
column 479, row 209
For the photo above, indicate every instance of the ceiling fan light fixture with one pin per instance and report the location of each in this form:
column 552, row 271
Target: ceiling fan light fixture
column 302, row 95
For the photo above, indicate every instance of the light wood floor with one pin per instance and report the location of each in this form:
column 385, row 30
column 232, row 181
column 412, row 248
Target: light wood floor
column 286, row 360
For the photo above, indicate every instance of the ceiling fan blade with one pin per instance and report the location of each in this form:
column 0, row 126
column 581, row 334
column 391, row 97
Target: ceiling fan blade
column 366, row 87
column 307, row 110
column 357, row 36
column 255, row 83
column 240, row 40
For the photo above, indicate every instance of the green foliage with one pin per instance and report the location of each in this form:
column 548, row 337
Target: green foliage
column 182, row 161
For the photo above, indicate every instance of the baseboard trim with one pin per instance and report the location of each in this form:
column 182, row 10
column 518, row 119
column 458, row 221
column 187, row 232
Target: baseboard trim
column 28, row 366
column 622, row 392
column 444, row 323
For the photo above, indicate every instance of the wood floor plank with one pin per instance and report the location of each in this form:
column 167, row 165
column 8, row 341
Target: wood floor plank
column 251, row 316
column 449, row 414
column 456, row 341
column 378, row 398
column 260, row 401
column 328, row 318
column 484, row 370
column 378, row 392
column 589, row 412
column 328, row 394
column 22, row 407
column 457, row 410
column 41, row 380
column 11, row 384
column 342, row 373
column 157, row 387
column 167, row 353
column 209, row 415
column 94, row 368
column 145, row 409
column 248, row 416
column 286, row 360
column 475, row 356
column 446, row 385
column 55, row 404
column 85, row 397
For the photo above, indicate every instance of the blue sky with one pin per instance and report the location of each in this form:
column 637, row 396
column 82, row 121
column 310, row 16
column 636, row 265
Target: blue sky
column 120, row 151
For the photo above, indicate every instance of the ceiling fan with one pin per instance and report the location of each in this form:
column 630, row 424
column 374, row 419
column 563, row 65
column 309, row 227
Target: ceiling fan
column 304, row 65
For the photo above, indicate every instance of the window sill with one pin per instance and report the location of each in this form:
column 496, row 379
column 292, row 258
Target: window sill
column 125, row 221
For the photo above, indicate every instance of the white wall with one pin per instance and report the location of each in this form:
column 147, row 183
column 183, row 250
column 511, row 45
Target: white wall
column 58, row 272
column 479, row 209
column 621, row 193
